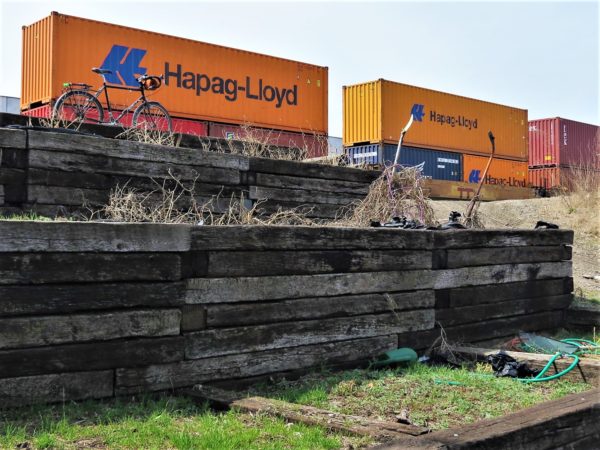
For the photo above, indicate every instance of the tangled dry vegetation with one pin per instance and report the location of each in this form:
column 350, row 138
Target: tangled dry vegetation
column 397, row 194
column 174, row 201
column 258, row 143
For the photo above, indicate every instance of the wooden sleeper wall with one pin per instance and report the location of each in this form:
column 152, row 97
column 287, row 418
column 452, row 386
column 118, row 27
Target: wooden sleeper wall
column 93, row 310
column 54, row 173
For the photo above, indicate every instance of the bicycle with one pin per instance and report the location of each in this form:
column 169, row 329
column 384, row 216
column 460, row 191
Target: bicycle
column 78, row 105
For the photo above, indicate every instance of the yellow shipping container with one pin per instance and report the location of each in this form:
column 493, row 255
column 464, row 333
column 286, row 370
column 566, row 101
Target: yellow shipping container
column 502, row 172
column 376, row 112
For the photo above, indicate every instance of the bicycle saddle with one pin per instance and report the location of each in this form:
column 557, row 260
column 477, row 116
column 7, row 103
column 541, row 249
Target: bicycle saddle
column 101, row 71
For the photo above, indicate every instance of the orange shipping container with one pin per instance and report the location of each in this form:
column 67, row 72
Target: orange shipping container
column 202, row 81
column 376, row 112
column 503, row 172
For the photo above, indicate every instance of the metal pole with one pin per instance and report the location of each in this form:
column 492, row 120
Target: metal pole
column 402, row 133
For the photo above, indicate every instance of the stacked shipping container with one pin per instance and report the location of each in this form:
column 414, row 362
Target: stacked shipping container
column 375, row 112
column 203, row 82
column 560, row 150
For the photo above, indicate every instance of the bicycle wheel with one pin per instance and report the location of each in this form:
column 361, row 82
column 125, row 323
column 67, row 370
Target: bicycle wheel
column 152, row 116
column 78, row 107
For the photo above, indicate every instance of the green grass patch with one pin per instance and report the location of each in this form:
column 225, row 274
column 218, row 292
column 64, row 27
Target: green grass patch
column 28, row 216
column 154, row 423
column 435, row 397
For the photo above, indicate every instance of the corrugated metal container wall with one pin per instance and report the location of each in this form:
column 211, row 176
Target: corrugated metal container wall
column 315, row 145
column 37, row 62
column 375, row 112
column 202, row 81
column 438, row 165
column 563, row 142
column 503, row 172
column 565, row 177
column 195, row 127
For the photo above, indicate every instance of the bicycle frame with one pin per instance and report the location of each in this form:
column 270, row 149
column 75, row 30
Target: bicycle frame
column 105, row 87
column 112, row 120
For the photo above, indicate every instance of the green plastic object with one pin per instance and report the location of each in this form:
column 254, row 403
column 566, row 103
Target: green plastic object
column 534, row 343
column 393, row 357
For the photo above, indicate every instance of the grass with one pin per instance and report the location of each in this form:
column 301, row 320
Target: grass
column 153, row 423
column 27, row 216
column 423, row 391
column 587, row 297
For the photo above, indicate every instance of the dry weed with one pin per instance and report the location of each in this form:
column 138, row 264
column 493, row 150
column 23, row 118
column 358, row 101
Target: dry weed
column 55, row 122
column 580, row 198
column 175, row 202
column 254, row 142
column 148, row 136
column 400, row 194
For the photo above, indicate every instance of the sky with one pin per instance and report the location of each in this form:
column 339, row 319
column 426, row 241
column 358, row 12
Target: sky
column 540, row 56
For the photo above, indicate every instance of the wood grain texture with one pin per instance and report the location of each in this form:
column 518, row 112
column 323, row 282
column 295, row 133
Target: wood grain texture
column 20, row 332
column 12, row 138
column 91, row 356
column 109, row 165
column 470, row 314
column 508, row 327
column 23, row 236
column 308, row 238
column 506, row 255
column 503, row 273
column 245, row 365
column 255, row 338
column 501, row 238
column 229, row 290
column 54, row 388
column 229, row 315
column 311, row 170
column 582, row 317
column 69, row 298
column 56, row 195
column 240, row 263
column 290, row 195
column 41, row 268
column 91, row 145
column 311, row 184
column 475, row 295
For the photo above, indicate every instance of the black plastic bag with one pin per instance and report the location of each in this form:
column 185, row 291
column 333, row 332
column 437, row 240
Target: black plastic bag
column 506, row 366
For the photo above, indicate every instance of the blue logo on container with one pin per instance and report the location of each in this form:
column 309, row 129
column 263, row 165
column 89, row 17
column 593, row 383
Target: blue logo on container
column 418, row 111
column 124, row 62
column 474, row 176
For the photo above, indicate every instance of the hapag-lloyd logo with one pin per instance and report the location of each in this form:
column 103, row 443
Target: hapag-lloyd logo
column 418, row 112
column 124, row 62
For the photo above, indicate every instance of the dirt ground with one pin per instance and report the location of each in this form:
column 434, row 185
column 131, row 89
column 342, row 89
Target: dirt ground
column 579, row 212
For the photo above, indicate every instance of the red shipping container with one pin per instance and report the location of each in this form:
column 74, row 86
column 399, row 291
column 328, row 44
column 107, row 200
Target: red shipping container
column 564, row 177
column 185, row 126
column 315, row 144
column 562, row 142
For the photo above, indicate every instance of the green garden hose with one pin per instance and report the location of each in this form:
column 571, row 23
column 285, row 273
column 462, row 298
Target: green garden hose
column 540, row 376
column 584, row 345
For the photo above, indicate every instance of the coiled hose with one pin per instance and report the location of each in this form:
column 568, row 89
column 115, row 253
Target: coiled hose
column 540, row 376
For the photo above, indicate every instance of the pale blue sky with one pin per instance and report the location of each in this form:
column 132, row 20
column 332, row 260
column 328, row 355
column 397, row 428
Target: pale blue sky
column 541, row 56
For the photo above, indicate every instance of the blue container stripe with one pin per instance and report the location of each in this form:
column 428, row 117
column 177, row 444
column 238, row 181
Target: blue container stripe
column 370, row 154
column 438, row 165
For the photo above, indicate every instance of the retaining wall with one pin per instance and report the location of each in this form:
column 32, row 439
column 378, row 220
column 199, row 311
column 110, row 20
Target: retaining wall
column 91, row 310
column 65, row 174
